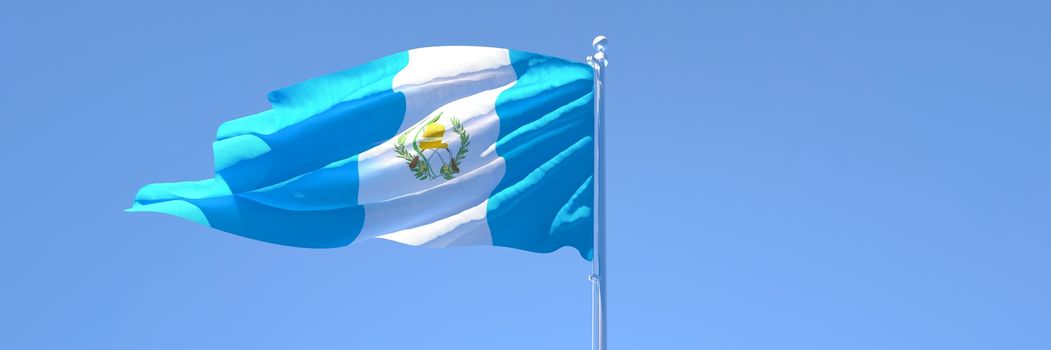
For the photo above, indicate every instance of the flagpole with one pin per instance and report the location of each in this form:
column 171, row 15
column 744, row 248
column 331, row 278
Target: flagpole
column 598, row 62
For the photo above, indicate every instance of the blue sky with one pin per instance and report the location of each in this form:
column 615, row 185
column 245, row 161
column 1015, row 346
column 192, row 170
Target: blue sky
column 812, row 175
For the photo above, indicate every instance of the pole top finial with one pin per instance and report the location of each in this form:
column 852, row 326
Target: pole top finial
column 598, row 59
column 600, row 43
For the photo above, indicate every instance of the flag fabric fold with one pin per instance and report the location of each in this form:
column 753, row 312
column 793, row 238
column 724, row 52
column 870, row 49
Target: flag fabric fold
column 438, row 146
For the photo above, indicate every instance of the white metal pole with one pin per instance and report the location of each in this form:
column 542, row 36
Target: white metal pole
column 598, row 62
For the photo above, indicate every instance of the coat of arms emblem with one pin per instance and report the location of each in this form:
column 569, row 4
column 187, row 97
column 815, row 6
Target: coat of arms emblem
column 428, row 149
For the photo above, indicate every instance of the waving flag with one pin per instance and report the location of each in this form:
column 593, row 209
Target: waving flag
column 438, row 146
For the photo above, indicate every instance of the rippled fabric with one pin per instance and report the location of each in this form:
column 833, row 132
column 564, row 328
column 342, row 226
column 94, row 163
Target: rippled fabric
column 546, row 127
column 318, row 169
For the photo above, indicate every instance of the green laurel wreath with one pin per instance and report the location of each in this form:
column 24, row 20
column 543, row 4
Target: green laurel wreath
column 418, row 162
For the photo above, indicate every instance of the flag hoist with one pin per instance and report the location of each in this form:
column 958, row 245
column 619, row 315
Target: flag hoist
column 598, row 62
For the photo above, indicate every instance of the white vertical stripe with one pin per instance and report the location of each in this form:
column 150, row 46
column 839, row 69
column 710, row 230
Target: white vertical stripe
column 464, row 228
column 437, row 75
column 456, row 82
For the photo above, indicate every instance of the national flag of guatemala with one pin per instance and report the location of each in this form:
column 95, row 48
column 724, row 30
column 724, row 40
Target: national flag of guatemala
column 438, row 146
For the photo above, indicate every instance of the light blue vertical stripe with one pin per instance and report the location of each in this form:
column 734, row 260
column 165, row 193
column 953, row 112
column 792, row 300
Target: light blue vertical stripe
column 315, row 210
column 312, row 124
column 299, row 102
column 338, row 133
column 289, row 175
column 545, row 139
